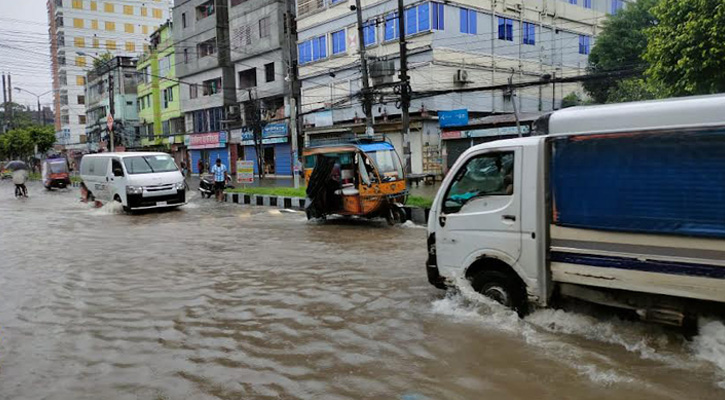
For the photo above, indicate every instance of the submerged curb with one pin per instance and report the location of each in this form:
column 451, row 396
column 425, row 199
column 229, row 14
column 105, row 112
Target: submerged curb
column 416, row 214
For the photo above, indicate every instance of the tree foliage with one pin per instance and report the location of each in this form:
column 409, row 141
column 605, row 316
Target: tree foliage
column 102, row 59
column 20, row 143
column 620, row 46
column 686, row 49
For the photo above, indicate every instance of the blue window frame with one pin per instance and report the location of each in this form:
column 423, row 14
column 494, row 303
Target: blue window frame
column 529, row 31
column 617, row 5
column 469, row 21
column 392, row 27
column 338, row 41
column 411, row 21
column 583, row 44
column 423, row 17
column 572, row 1
column 506, row 29
column 438, row 16
column 369, row 35
column 587, row 3
column 336, row 1
column 312, row 50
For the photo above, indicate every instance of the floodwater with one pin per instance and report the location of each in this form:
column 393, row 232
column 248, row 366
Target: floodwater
column 221, row 301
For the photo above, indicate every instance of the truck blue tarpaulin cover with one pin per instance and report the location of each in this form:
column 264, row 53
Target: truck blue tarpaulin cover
column 671, row 183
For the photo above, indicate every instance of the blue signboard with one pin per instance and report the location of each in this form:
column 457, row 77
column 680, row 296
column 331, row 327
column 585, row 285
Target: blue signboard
column 453, row 118
column 269, row 131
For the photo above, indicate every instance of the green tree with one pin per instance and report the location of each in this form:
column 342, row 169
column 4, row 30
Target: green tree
column 102, row 59
column 16, row 144
column 42, row 136
column 620, row 46
column 686, row 50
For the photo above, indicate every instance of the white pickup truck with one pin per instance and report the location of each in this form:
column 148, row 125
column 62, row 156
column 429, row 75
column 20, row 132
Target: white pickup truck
column 621, row 205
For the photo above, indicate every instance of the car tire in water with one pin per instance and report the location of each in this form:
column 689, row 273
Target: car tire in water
column 502, row 288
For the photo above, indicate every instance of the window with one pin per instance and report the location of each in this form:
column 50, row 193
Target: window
column 110, row 26
column 61, row 39
column 411, row 21
column 164, row 66
column 128, row 10
column 617, row 5
column 165, row 128
column 157, row 13
column 583, row 44
column 108, row 7
column 168, row 96
column 587, row 3
column 146, row 77
column 94, row 24
column 264, row 27
column 94, row 6
column 392, row 27
column 128, row 28
column 80, row 61
column 59, row 20
column 130, row 47
column 312, row 50
column 212, row 86
column 572, row 1
column 110, row 45
column 82, row 119
column 335, row 1
column 145, row 12
column 423, row 12
column 237, row 2
column 248, row 78
column 529, row 32
column 145, row 30
column 369, row 35
column 78, row 4
column 79, row 42
column 77, row 23
column 80, row 81
column 183, row 20
column 469, row 23
column 204, row 10
column 505, row 29
column 269, row 72
column 338, row 42
column 490, row 174
column 438, row 16
column 61, row 59
column 206, row 48
column 193, row 91
column 186, row 56
column 81, row 99
column 96, row 43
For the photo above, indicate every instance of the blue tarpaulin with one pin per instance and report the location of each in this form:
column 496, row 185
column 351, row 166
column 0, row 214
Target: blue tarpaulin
column 656, row 183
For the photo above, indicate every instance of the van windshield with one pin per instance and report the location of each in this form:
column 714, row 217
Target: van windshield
column 149, row 164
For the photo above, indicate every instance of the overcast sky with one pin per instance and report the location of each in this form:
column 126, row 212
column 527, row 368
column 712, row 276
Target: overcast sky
column 24, row 27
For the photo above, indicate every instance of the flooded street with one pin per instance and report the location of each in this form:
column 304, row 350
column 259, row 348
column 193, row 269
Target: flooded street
column 232, row 302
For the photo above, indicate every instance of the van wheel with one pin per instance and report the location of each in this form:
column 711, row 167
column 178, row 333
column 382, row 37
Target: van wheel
column 501, row 288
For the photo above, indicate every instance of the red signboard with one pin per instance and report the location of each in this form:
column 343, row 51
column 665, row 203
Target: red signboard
column 451, row 135
column 207, row 140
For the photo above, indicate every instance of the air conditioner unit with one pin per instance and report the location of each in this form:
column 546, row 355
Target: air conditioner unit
column 382, row 71
column 461, row 77
column 233, row 110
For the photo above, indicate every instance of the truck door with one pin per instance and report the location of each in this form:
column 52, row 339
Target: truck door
column 480, row 212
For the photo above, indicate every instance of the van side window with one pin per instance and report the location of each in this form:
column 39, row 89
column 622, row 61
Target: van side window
column 490, row 174
column 116, row 166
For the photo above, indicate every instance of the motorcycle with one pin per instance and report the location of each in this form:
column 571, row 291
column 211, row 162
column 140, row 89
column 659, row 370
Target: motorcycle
column 206, row 186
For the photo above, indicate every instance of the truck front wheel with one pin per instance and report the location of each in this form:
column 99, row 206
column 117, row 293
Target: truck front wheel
column 501, row 288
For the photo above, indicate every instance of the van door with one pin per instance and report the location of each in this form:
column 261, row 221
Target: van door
column 98, row 171
column 480, row 212
column 117, row 179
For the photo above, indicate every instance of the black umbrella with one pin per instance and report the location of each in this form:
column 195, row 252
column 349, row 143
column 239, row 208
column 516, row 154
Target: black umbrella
column 16, row 165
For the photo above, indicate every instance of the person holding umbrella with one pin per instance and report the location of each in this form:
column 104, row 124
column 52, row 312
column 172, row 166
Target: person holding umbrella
column 20, row 176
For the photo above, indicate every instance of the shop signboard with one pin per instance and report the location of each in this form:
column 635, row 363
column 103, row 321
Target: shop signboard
column 207, row 140
column 451, row 135
column 453, row 118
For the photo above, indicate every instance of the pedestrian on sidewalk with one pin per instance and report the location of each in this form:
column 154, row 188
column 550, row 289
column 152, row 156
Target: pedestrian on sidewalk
column 220, row 178
column 200, row 166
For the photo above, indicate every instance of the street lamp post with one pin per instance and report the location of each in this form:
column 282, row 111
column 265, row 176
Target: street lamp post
column 41, row 121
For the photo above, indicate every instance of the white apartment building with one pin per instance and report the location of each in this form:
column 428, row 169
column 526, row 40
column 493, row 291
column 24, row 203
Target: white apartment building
column 80, row 30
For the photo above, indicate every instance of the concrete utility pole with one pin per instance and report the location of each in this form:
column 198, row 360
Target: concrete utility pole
column 404, row 88
column 367, row 94
column 10, row 101
column 5, row 106
column 111, row 108
column 293, row 74
column 513, row 101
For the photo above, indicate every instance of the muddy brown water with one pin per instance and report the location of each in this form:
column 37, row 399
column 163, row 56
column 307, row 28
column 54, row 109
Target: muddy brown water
column 221, row 301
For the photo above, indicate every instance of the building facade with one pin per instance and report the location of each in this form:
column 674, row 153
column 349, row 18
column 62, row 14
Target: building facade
column 123, row 93
column 159, row 105
column 452, row 45
column 201, row 39
column 82, row 29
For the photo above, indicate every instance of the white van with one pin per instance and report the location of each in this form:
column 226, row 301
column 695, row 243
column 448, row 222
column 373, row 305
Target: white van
column 620, row 205
column 137, row 180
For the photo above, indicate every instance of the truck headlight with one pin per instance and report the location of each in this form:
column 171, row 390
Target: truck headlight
column 179, row 185
column 134, row 189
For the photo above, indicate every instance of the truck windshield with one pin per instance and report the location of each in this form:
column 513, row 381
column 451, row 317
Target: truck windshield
column 489, row 174
column 388, row 164
column 149, row 164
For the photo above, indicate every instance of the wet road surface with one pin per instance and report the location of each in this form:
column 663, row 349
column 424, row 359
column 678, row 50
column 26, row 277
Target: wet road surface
column 221, row 301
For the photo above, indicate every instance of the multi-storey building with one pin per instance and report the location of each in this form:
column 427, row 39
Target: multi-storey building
column 122, row 92
column 201, row 38
column 159, row 105
column 453, row 44
column 82, row 29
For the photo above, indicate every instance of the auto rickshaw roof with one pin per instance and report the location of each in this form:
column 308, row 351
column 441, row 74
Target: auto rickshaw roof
column 364, row 146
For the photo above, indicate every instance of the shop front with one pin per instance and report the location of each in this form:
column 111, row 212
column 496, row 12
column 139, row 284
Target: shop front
column 276, row 148
column 207, row 147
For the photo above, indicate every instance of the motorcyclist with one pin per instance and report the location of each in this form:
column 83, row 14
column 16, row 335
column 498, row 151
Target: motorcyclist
column 20, row 176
